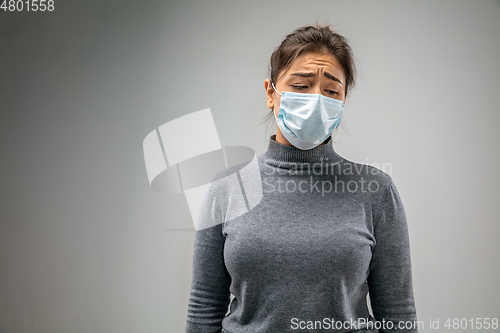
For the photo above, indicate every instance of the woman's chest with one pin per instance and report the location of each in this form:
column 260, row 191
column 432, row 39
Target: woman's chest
column 299, row 240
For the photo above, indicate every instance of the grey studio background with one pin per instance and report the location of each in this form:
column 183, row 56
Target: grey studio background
column 87, row 246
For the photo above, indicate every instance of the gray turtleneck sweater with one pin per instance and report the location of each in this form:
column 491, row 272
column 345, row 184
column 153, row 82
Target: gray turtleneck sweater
column 299, row 237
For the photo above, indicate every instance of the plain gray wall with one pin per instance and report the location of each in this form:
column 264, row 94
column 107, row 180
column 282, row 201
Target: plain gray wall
column 84, row 245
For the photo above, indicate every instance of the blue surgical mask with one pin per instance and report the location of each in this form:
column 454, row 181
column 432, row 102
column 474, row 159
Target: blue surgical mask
column 307, row 120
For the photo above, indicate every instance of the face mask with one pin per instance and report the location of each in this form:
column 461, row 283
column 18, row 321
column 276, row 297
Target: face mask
column 307, row 120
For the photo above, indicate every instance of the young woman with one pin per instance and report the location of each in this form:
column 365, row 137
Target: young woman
column 324, row 233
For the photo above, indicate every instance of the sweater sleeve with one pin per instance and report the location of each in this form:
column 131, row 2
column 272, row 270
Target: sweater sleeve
column 390, row 276
column 209, row 297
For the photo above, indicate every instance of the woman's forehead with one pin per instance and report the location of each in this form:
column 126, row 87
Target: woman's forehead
column 315, row 62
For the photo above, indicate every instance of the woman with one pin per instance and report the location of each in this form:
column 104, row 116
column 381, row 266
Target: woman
column 325, row 232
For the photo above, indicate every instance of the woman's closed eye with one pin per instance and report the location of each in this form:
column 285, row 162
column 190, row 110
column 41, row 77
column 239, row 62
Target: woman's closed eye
column 300, row 87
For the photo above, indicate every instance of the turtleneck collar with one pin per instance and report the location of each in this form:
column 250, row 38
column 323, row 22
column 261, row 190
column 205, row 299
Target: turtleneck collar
column 284, row 154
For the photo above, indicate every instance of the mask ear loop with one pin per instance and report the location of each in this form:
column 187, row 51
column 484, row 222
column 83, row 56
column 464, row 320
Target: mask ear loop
column 275, row 88
column 273, row 109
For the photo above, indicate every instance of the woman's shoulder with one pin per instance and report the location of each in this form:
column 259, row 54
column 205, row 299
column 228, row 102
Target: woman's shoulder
column 375, row 169
column 233, row 182
column 229, row 174
column 375, row 174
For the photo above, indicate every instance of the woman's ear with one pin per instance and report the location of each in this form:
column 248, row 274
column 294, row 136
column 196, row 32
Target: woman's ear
column 269, row 93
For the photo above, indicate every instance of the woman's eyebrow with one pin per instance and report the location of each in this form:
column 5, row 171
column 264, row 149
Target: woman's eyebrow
column 311, row 74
